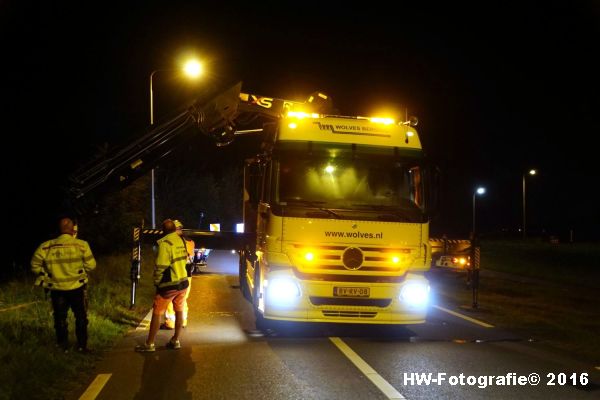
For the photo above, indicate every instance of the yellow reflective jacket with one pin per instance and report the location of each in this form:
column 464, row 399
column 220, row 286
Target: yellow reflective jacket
column 170, row 272
column 190, row 246
column 62, row 263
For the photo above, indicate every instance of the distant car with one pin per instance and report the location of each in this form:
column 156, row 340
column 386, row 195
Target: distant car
column 453, row 254
column 200, row 258
column 461, row 262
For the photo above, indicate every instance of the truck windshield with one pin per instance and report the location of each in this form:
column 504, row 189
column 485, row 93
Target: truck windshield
column 384, row 183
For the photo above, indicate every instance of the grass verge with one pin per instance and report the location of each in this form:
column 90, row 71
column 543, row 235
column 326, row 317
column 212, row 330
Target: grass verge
column 32, row 368
column 570, row 263
column 537, row 290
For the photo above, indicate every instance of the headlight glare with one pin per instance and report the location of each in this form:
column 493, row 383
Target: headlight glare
column 282, row 290
column 415, row 294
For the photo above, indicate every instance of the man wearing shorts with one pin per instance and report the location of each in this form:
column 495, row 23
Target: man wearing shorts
column 170, row 313
column 170, row 279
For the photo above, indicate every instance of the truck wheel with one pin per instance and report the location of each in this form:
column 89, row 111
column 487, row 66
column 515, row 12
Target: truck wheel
column 262, row 324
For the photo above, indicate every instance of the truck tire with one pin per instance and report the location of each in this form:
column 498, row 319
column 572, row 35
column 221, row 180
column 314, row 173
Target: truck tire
column 262, row 324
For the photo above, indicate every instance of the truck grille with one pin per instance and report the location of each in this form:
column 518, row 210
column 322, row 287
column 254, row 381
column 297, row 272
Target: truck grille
column 359, row 259
column 329, row 277
column 331, row 301
column 349, row 314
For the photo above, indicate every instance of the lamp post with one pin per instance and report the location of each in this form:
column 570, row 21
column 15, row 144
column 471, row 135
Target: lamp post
column 192, row 69
column 475, row 257
column 479, row 191
column 531, row 172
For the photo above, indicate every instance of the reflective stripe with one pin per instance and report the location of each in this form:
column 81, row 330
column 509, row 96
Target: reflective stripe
column 69, row 279
column 54, row 261
column 65, row 245
column 172, row 283
column 152, row 231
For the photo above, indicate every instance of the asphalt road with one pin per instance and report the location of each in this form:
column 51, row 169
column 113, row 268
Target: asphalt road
column 223, row 356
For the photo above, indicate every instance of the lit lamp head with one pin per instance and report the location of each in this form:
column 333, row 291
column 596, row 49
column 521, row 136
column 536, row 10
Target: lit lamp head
column 193, row 69
column 309, row 256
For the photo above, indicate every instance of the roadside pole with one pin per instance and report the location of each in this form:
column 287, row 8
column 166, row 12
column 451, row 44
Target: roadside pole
column 475, row 266
column 136, row 263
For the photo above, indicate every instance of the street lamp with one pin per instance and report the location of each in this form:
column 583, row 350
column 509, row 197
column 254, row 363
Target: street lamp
column 192, row 69
column 531, row 172
column 479, row 191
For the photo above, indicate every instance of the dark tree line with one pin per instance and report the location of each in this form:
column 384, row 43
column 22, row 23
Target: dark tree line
column 198, row 180
column 181, row 193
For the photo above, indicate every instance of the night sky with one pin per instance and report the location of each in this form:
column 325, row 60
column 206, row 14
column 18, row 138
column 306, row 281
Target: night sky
column 498, row 89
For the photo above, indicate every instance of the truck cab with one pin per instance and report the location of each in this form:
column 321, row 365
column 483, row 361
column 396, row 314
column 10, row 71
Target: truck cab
column 338, row 205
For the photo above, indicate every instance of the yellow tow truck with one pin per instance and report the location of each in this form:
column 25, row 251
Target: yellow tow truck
column 336, row 208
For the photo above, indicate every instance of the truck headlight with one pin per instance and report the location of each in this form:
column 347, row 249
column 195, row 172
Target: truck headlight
column 415, row 294
column 282, row 290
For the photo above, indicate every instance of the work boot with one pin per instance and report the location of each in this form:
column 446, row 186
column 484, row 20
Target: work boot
column 145, row 348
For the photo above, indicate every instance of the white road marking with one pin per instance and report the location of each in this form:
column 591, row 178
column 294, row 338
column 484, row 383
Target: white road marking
column 95, row 387
column 145, row 323
column 459, row 315
column 366, row 369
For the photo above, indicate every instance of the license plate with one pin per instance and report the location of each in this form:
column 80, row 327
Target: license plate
column 445, row 260
column 351, row 291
